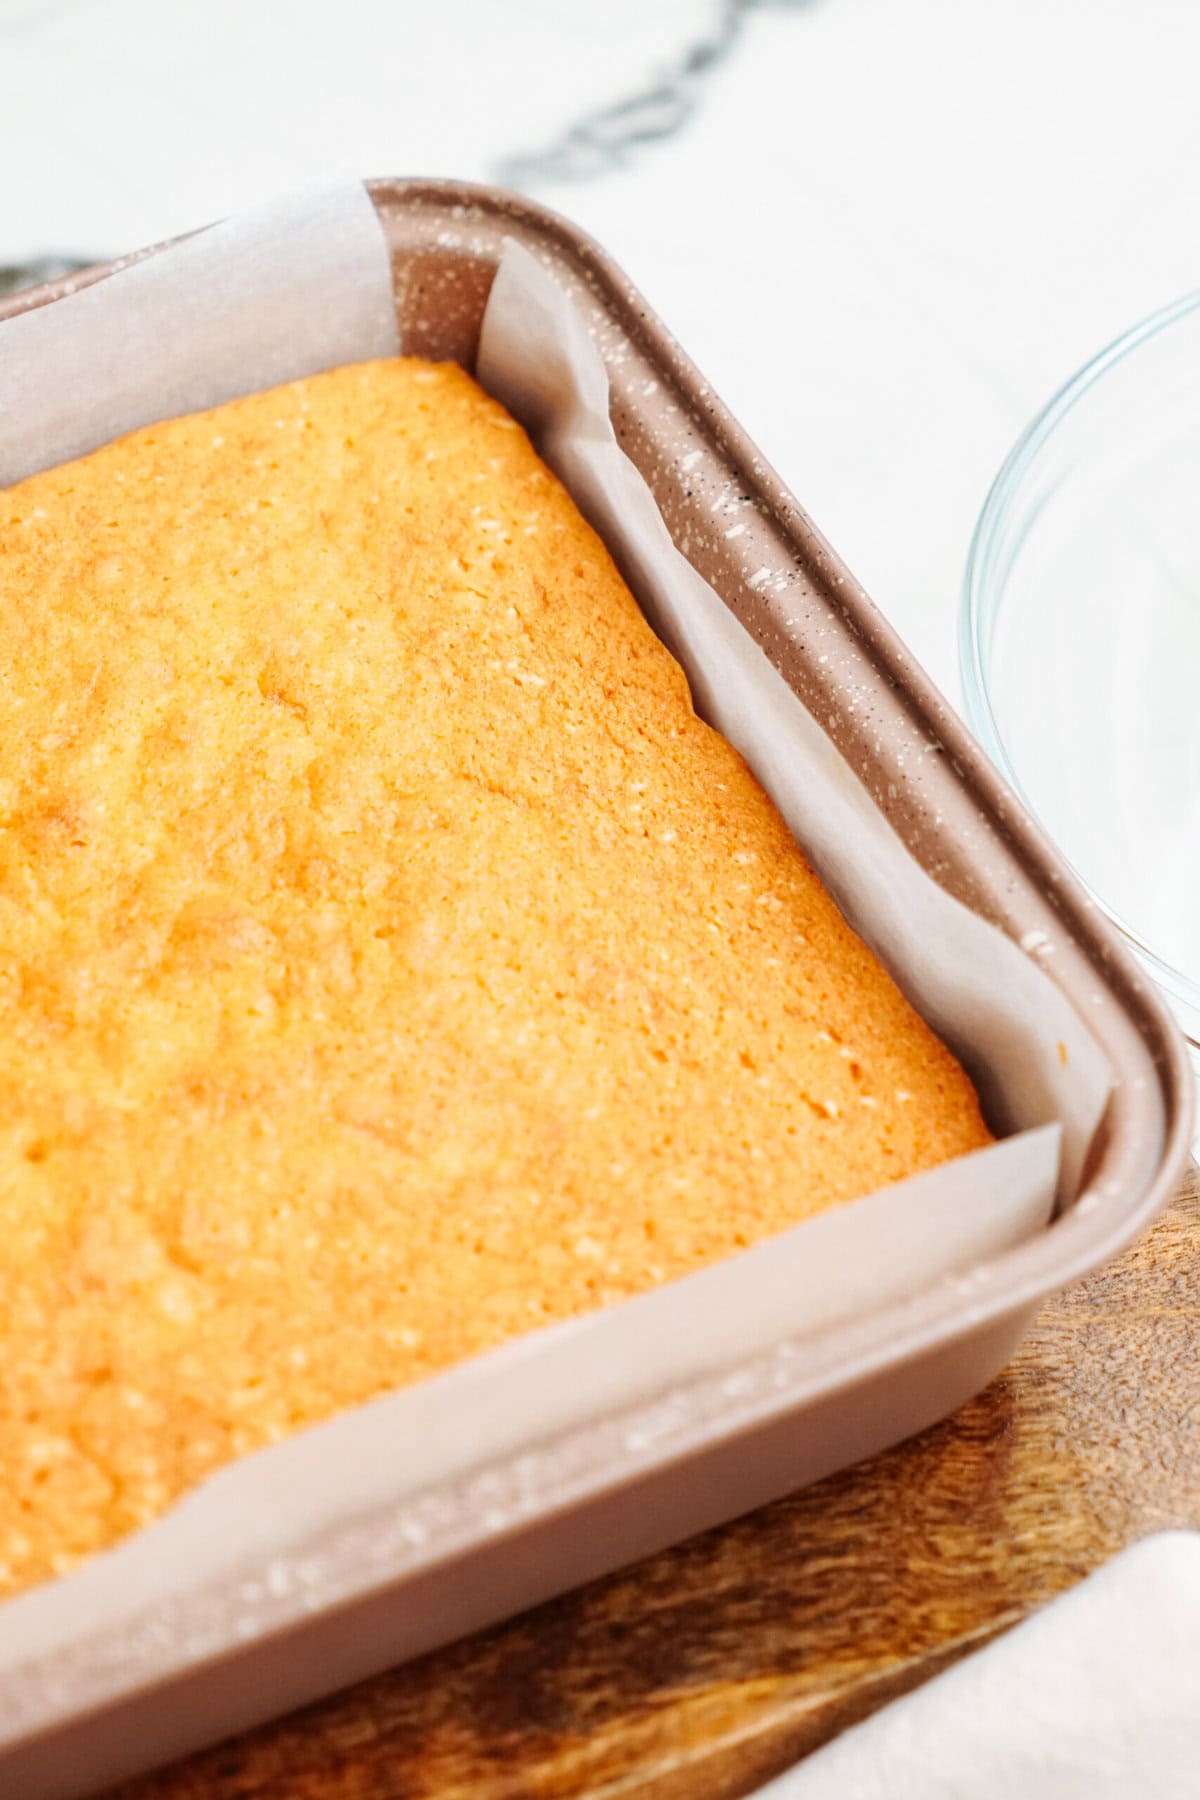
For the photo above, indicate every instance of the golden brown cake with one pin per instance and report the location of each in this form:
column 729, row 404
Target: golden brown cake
column 390, row 961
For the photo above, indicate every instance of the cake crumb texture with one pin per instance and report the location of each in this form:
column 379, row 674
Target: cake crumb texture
column 390, row 961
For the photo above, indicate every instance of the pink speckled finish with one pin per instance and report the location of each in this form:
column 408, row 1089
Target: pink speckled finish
column 394, row 1583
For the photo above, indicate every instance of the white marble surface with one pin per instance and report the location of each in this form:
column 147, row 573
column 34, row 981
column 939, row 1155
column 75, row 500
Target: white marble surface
column 887, row 233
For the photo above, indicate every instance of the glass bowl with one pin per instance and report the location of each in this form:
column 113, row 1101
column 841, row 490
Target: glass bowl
column 1080, row 637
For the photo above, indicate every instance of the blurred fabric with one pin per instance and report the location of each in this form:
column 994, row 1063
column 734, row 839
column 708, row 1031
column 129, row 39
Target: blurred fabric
column 1097, row 1697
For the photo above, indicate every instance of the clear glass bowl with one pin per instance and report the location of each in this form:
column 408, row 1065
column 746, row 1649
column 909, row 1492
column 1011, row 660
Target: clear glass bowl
column 1080, row 637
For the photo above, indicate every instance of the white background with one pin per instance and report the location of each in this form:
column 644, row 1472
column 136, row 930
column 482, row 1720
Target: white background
column 889, row 231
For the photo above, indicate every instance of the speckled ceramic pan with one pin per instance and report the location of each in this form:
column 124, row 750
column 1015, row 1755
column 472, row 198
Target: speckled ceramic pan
column 520, row 1529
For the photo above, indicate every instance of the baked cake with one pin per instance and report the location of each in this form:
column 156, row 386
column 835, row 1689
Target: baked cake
column 390, row 961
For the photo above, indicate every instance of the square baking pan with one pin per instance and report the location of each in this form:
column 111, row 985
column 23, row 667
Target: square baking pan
column 403, row 1577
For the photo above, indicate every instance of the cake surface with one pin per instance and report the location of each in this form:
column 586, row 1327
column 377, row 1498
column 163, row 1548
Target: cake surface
column 390, row 961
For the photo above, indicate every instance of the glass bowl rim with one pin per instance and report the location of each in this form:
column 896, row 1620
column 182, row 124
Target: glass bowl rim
column 980, row 599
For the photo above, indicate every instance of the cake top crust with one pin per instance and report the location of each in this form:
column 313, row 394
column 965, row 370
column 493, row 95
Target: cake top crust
column 390, row 960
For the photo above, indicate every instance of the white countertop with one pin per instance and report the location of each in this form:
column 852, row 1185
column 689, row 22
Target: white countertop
column 888, row 230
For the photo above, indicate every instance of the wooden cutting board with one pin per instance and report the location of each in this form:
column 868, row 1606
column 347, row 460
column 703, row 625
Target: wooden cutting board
column 709, row 1668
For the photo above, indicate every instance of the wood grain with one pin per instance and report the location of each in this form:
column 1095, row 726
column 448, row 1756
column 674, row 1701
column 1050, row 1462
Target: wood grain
column 709, row 1668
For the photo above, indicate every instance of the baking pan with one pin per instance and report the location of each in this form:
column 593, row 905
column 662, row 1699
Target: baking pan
column 401, row 1579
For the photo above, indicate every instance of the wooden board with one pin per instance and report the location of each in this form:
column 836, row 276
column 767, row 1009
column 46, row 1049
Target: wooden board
column 708, row 1669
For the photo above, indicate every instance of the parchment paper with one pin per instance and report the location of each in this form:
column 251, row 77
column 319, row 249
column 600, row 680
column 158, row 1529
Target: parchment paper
column 262, row 299
column 308, row 285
